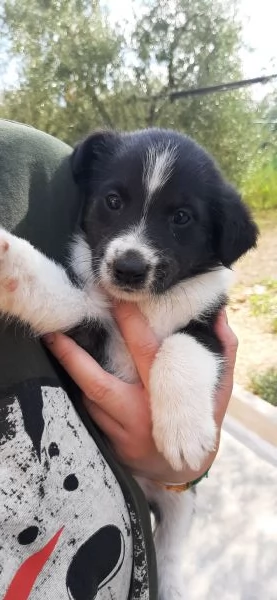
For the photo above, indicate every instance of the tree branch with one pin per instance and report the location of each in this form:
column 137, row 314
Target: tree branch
column 101, row 108
column 179, row 31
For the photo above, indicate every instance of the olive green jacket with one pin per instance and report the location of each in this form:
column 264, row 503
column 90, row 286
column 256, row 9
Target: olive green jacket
column 39, row 201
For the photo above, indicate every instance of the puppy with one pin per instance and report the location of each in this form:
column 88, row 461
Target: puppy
column 161, row 227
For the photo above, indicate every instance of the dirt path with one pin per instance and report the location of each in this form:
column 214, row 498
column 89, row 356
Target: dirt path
column 257, row 347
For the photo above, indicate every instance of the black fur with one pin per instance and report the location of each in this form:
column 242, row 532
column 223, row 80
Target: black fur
column 220, row 228
column 203, row 330
column 92, row 337
column 163, row 250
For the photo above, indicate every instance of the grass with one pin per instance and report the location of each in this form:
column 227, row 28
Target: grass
column 260, row 187
column 254, row 311
column 263, row 302
column 265, row 385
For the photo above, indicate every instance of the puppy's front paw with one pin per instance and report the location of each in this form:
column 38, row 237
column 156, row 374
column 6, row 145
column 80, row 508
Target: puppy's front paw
column 18, row 274
column 169, row 438
column 180, row 439
column 200, row 443
column 8, row 271
column 4, row 244
column 182, row 383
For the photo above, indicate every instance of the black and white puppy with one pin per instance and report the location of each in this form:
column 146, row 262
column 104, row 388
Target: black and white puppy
column 161, row 227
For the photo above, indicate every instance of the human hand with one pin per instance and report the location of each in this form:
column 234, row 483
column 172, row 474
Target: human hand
column 122, row 410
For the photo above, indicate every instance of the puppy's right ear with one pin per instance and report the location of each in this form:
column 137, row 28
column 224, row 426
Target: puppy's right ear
column 90, row 155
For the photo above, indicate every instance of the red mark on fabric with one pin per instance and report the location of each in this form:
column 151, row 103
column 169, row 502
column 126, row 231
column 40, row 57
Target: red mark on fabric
column 24, row 579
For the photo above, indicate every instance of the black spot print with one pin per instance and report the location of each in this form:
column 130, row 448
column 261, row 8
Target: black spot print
column 92, row 567
column 53, row 450
column 71, row 483
column 27, row 536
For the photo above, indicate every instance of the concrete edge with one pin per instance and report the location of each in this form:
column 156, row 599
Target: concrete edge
column 260, row 405
column 254, row 414
column 251, row 440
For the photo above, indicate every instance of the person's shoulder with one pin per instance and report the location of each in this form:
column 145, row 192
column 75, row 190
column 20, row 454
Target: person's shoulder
column 38, row 198
column 30, row 141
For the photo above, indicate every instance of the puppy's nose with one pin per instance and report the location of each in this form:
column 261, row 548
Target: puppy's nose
column 130, row 268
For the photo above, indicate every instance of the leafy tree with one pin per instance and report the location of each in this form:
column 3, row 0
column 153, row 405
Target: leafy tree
column 78, row 72
column 182, row 44
column 269, row 116
column 259, row 183
column 67, row 58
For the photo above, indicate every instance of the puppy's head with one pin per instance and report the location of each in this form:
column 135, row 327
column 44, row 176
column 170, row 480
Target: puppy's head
column 157, row 211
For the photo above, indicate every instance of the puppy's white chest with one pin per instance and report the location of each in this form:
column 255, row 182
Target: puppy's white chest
column 185, row 301
column 168, row 314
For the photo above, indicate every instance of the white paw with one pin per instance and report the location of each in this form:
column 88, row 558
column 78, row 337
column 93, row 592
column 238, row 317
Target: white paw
column 17, row 274
column 182, row 383
column 181, row 441
column 8, row 267
column 4, row 244
column 201, row 444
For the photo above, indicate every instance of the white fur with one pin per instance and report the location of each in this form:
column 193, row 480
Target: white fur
column 133, row 240
column 119, row 359
column 168, row 313
column 182, row 384
column 170, row 537
column 37, row 291
column 80, row 259
column 185, row 301
column 157, row 169
column 182, row 380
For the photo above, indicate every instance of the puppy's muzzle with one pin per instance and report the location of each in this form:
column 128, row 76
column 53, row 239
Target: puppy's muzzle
column 130, row 270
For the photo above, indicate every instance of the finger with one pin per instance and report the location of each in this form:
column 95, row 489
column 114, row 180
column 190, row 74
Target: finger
column 222, row 400
column 223, row 315
column 139, row 338
column 227, row 337
column 230, row 343
column 98, row 385
column 110, row 427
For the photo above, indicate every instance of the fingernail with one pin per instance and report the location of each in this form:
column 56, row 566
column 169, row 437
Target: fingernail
column 48, row 339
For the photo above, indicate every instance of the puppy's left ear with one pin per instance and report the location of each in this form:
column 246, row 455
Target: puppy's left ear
column 90, row 155
column 235, row 231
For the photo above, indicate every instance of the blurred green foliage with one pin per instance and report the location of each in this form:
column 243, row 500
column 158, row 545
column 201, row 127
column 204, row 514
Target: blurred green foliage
column 265, row 385
column 259, row 187
column 78, row 71
column 259, row 184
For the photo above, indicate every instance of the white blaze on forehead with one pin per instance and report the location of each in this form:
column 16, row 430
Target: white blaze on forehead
column 158, row 167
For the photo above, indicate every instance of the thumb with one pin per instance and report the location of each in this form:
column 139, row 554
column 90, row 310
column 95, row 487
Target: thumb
column 139, row 338
column 95, row 383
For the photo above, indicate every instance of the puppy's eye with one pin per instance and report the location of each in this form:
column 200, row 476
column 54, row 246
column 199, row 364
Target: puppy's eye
column 113, row 202
column 181, row 217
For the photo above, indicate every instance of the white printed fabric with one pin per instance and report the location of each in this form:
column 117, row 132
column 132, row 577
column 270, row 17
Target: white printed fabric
column 66, row 532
